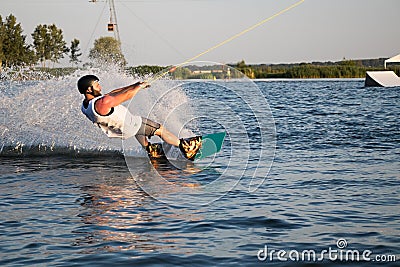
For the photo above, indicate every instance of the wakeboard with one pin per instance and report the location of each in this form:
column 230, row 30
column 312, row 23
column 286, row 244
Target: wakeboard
column 192, row 148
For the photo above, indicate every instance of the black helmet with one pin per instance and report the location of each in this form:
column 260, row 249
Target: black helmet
column 85, row 82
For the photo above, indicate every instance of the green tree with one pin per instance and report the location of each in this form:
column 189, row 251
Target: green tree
column 49, row 43
column 1, row 41
column 245, row 69
column 107, row 50
column 146, row 70
column 181, row 73
column 345, row 62
column 74, row 52
column 241, row 64
column 41, row 43
column 15, row 51
column 57, row 44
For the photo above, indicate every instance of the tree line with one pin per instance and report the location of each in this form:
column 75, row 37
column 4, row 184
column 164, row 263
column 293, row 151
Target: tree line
column 48, row 45
column 340, row 69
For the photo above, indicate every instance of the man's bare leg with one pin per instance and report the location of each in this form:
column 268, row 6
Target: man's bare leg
column 167, row 136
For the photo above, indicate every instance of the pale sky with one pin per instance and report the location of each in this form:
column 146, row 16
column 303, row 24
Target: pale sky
column 168, row 32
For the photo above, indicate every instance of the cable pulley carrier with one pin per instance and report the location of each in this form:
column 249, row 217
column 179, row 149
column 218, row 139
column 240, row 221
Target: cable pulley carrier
column 112, row 26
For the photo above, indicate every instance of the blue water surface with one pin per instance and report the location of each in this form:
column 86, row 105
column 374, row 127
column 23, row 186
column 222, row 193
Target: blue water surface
column 334, row 177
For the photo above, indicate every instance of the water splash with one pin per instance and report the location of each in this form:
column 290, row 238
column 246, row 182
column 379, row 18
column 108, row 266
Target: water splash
column 44, row 116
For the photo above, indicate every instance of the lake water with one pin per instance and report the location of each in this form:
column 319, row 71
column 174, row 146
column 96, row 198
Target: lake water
column 306, row 165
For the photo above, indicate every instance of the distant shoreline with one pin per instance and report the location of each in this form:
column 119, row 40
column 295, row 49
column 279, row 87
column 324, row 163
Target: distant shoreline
column 350, row 69
column 346, row 69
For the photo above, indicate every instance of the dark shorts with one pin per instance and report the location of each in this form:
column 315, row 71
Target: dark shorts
column 148, row 127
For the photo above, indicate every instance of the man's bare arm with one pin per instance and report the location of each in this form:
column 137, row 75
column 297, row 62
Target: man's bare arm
column 116, row 91
column 117, row 97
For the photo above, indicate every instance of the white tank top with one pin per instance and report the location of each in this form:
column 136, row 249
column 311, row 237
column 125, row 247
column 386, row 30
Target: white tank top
column 119, row 123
